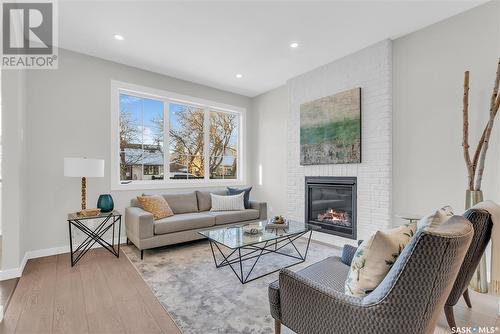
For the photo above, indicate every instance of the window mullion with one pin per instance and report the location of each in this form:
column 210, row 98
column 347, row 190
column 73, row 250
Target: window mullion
column 166, row 141
column 206, row 142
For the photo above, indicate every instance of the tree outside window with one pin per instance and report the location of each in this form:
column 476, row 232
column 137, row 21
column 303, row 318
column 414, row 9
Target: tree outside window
column 142, row 138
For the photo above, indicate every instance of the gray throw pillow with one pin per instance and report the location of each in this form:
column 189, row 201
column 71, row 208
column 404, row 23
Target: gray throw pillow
column 246, row 197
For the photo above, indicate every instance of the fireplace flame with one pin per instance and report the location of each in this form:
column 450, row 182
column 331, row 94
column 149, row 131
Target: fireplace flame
column 334, row 216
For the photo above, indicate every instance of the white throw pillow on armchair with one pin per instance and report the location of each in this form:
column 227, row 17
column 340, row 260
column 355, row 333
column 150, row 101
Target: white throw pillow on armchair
column 228, row 203
column 375, row 257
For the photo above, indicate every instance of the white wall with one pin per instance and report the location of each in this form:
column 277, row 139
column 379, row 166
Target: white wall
column 68, row 113
column 268, row 144
column 370, row 69
column 13, row 166
column 429, row 169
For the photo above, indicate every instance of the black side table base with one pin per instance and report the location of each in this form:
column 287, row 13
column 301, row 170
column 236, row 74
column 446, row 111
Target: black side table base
column 95, row 236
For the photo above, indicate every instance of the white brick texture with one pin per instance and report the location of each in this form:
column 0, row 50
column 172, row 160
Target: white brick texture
column 370, row 69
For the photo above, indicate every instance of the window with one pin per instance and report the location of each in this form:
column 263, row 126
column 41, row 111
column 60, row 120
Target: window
column 141, row 138
column 162, row 139
column 186, row 141
column 223, row 145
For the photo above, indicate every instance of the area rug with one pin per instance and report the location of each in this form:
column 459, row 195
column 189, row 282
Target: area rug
column 203, row 299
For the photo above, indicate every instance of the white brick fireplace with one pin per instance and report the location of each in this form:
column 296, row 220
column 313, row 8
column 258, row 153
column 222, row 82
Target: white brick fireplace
column 370, row 69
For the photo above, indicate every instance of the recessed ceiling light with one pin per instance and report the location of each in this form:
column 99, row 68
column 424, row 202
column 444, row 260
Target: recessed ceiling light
column 239, row 75
column 293, row 45
column 119, row 37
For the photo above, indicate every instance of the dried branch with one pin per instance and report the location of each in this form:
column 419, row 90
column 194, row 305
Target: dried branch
column 494, row 105
column 494, row 96
column 465, row 140
column 475, row 159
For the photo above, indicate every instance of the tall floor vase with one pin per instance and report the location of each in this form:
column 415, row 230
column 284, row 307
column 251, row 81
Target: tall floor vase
column 479, row 281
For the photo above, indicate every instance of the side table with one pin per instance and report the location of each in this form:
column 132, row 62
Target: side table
column 411, row 218
column 107, row 221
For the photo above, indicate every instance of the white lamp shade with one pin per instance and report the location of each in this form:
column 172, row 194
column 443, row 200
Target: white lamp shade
column 83, row 167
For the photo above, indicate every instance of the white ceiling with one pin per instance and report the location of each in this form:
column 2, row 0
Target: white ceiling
column 208, row 42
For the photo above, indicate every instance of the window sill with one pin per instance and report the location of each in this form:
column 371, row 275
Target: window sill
column 155, row 185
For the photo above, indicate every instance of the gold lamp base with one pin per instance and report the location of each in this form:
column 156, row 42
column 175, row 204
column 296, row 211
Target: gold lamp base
column 84, row 193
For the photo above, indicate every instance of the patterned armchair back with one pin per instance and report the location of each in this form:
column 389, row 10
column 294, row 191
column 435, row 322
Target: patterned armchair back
column 482, row 224
column 418, row 284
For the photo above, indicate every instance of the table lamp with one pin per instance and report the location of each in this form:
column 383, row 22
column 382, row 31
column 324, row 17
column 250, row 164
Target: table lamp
column 83, row 167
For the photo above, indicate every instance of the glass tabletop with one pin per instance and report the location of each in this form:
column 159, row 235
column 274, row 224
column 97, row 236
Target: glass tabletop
column 234, row 236
column 76, row 215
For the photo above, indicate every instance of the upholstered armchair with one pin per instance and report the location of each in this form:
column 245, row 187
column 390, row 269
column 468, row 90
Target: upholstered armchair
column 482, row 224
column 409, row 299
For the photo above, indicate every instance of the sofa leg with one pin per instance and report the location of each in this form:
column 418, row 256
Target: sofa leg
column 277, row 327
column 467, row 298
column 128, row 241
column 142, row 254
column 450, row 317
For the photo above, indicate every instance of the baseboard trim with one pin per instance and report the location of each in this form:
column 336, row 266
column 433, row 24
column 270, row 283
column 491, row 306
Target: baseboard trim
column 18, row 272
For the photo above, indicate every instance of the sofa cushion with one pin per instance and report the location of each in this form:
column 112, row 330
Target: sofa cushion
column 205, row 200
column 183, row 222
column 228, row 217
column 182, row 203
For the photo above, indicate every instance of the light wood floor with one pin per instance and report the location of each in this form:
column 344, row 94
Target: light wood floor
column 103, row 294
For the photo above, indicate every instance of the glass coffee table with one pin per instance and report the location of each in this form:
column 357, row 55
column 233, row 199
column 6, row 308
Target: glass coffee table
column 235, row 246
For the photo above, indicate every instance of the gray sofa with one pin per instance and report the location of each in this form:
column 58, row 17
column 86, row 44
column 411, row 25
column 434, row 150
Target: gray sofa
column 191, row 215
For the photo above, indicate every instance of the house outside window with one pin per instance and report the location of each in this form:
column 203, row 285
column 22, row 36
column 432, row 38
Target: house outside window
column 162, row 139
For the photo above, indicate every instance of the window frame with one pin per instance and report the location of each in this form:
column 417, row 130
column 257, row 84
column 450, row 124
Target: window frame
column 119, row 87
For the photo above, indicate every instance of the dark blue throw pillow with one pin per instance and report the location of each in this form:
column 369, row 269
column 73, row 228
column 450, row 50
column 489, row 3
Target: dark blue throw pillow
column 348, row 254
column 246, row 197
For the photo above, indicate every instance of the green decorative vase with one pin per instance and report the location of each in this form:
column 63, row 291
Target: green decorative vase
column 105, row 203
column 479, row 281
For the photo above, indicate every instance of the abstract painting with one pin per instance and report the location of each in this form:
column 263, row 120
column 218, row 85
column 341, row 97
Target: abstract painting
column 330, row 129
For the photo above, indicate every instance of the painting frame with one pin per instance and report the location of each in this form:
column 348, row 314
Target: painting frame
column 339, row 140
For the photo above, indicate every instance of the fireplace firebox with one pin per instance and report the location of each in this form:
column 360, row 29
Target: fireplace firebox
column 331, row 204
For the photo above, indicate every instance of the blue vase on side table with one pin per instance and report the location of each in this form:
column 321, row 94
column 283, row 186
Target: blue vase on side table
column 105, row 203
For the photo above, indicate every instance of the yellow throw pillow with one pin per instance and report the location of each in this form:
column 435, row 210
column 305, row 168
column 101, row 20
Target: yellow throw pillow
column 375, row 257
column 157, row 205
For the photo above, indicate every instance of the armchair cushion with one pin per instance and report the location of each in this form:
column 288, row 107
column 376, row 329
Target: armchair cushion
column 330, row 272
column 436, row 218
column 375, row 257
